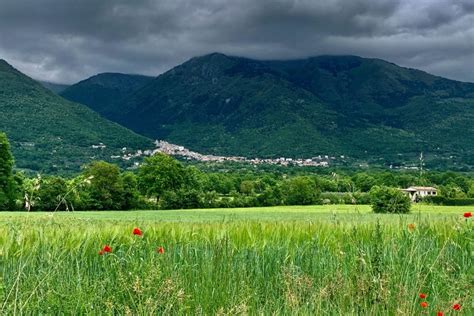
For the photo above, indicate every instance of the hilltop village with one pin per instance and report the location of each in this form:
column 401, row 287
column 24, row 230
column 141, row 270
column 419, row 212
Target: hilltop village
column 180, row 151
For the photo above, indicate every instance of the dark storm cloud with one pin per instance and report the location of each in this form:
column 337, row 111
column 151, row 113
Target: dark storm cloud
column 67, row 40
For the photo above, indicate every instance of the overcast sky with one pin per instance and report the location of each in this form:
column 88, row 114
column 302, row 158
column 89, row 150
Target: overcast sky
column 67, row 41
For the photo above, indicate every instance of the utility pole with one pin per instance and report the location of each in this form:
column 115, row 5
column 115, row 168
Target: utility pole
column 421, row 165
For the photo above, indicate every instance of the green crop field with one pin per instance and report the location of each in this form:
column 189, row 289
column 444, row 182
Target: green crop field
column 315, row 260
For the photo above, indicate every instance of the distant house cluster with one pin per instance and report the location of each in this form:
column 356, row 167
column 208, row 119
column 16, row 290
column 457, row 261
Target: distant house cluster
column 176, row 150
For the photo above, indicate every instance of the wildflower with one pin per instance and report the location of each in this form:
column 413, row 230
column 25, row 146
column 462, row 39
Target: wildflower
column 422, row 295
column 424, row 304
column 160, row 250
column 101, row 252
column 411, row 227
column 456, row 307
column 439, row 314
column 467, row 214
column 107, row 248
column 137, row 231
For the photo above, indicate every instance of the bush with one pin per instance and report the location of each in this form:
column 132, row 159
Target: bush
column 441, row 200
column 362, row 198
column 389, row 200
column 180, row 199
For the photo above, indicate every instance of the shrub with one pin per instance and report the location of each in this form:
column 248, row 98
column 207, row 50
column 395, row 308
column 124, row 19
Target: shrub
column 389, row 200
column 180, row 199
column 441, row 200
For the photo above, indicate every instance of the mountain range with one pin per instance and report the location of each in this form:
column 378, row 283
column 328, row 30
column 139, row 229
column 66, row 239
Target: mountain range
column 51, row 134
column 367, row 109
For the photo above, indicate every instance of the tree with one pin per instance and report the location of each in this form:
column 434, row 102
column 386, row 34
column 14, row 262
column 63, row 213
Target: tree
column 452, row 191
column 271, row 196
column 247, row 187
column 470, row 193
column 131, row 196
column 7, row 182
column 160, row 173
column 51, row 193
column 106, row 191
column 180, row 199
column 389, row 200
column 300, row 190
column 363, row 181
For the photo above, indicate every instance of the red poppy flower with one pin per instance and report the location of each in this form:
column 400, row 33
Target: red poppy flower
column 107, row 248
column 424, row 304
column 439, row 314
column 456, row 307
column 160, row 250
column 422, row 295
column 411, row 226
column 137, row 231
column 101, row 252
column 467, row 214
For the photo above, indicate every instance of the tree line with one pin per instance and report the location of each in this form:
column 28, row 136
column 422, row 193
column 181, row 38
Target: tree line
column 165, row 183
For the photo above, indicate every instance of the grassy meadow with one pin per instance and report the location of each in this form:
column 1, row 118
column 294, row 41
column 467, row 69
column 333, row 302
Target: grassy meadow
column 314, row 260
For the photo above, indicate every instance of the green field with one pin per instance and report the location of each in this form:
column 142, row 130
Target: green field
column 345, row 213
column 314, row 260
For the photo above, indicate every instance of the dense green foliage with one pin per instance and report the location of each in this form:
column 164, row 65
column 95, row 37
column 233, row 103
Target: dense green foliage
column 159, row 174
column 337, row 266
column 301, row 191
column 51, row 194
column 389, row 200
column 103, row 93
column 7, row 183
column 162, row 182
column 50, row 134
column 105, row 189
column 442, row 200
column 366, row 109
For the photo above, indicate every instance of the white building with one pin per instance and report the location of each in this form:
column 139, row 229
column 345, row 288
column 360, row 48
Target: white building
column 417, row 193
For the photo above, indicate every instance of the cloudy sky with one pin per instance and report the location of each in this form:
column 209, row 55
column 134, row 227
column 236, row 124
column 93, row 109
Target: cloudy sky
column 69, row 40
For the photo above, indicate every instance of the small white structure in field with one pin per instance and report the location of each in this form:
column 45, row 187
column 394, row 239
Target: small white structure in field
column 417, row 193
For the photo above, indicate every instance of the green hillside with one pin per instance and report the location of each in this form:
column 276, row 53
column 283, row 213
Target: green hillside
column 103, row 93
column 367, row 109
column 51, row 134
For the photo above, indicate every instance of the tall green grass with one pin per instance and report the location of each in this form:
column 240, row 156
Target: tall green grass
column 51, row 265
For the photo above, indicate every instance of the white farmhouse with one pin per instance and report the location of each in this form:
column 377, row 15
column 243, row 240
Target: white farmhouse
column 417, row 193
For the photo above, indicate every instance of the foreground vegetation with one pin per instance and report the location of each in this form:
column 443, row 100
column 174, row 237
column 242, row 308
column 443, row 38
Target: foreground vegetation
column 301, row 260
